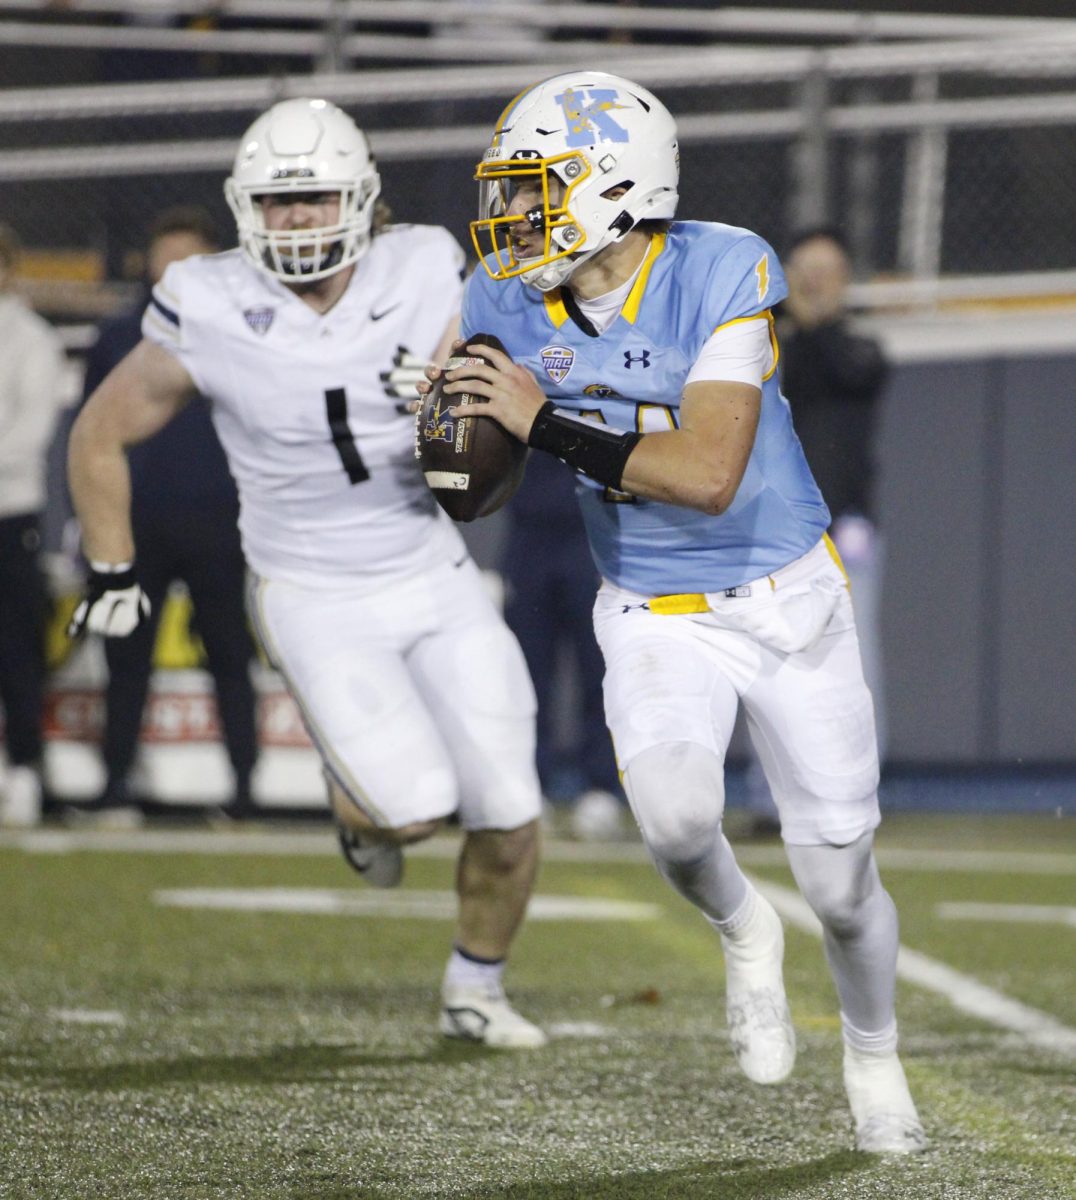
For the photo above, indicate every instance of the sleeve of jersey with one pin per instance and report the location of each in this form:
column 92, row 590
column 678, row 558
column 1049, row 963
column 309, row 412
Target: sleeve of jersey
column 740, row 352
column 745, row 282
column 163, row 321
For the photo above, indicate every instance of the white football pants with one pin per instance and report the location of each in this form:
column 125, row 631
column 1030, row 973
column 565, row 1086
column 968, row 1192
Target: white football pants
column 416, row 696
column 787, row 650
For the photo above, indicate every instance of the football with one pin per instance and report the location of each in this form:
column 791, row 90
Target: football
column 471, row 465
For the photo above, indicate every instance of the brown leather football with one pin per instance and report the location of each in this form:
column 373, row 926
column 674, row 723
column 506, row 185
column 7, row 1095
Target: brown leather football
column 471, row 465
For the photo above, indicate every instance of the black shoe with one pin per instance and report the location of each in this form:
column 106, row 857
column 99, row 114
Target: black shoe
column 240, row 807
column 114, row 808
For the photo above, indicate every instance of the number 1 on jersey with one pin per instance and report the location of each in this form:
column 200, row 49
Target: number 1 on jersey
column 343, row 440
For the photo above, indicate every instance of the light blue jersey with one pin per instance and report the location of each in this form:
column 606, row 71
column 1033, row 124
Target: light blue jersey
column 695, row 279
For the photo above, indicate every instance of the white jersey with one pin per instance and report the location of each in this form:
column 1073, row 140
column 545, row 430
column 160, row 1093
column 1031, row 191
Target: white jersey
column 324, row 460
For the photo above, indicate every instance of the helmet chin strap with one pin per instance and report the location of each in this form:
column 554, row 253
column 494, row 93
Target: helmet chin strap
column 553, row 275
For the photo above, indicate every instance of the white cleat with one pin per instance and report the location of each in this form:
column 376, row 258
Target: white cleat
column 485, row 1016
column 381, row 864
column 759, row 1023
column 882, row 1107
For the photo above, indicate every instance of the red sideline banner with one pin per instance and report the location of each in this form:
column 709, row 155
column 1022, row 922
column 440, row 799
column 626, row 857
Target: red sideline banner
column 181, row 755
column 171, row 718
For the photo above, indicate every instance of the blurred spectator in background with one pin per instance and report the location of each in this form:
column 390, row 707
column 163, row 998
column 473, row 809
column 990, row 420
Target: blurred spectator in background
column 31, row 372
column 550, row 580
column 185, row 515
column 833, row 377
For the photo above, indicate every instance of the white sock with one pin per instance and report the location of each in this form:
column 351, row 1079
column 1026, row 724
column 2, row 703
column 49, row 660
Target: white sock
column 741, row 919
column 468, row 971
column 869, row 1045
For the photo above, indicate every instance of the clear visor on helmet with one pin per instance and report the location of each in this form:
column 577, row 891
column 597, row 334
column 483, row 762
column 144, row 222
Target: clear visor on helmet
column 524, row 215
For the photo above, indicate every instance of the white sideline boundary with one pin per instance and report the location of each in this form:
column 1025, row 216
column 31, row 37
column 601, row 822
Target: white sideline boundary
column 964, row 992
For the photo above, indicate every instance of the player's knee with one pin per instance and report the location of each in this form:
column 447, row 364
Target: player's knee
column 503, row 851
column 352, row 816
column 678, row 796
column 680, row 839
column 841, row 911
column 417, row 831
column 402, row 835
column 842, row 888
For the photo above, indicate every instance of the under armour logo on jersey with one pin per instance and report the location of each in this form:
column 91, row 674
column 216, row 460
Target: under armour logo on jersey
column 587, row 113
column 259, row 319
column 630, row 359
column 627, row 608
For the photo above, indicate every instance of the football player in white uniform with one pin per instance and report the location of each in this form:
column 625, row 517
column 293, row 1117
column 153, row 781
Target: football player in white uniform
column 362, row 591
column 640, row 350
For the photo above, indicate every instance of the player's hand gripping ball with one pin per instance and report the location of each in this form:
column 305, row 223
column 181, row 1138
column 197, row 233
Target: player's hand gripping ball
column 471, row 465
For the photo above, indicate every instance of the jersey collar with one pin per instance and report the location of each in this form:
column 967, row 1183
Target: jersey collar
column 557, row 311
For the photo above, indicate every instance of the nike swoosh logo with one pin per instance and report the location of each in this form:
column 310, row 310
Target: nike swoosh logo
column 376, row 316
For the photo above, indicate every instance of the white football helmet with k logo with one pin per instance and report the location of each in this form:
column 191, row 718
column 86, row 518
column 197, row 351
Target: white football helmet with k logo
column 598, row 153
column 304, row 146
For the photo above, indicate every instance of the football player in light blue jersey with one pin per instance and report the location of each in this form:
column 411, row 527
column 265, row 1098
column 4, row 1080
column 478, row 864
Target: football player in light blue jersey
column 640, row 350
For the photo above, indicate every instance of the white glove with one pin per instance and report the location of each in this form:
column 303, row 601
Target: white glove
column 113, row 604
column 408, row 370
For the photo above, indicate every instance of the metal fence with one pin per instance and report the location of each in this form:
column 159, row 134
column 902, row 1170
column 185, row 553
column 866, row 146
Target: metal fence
column 945, row 147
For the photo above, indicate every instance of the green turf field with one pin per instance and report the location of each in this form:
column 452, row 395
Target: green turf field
column 158, row 1051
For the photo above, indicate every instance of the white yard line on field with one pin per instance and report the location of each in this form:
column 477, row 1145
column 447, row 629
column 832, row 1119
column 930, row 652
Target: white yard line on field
column 963, row 991
column 986, row 862
column 431, row 905
column 320, row 841
column 88, row 1016
column 1036, row 914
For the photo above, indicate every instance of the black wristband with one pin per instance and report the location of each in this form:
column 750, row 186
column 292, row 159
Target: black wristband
column 596, row 450
column 99, row 582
